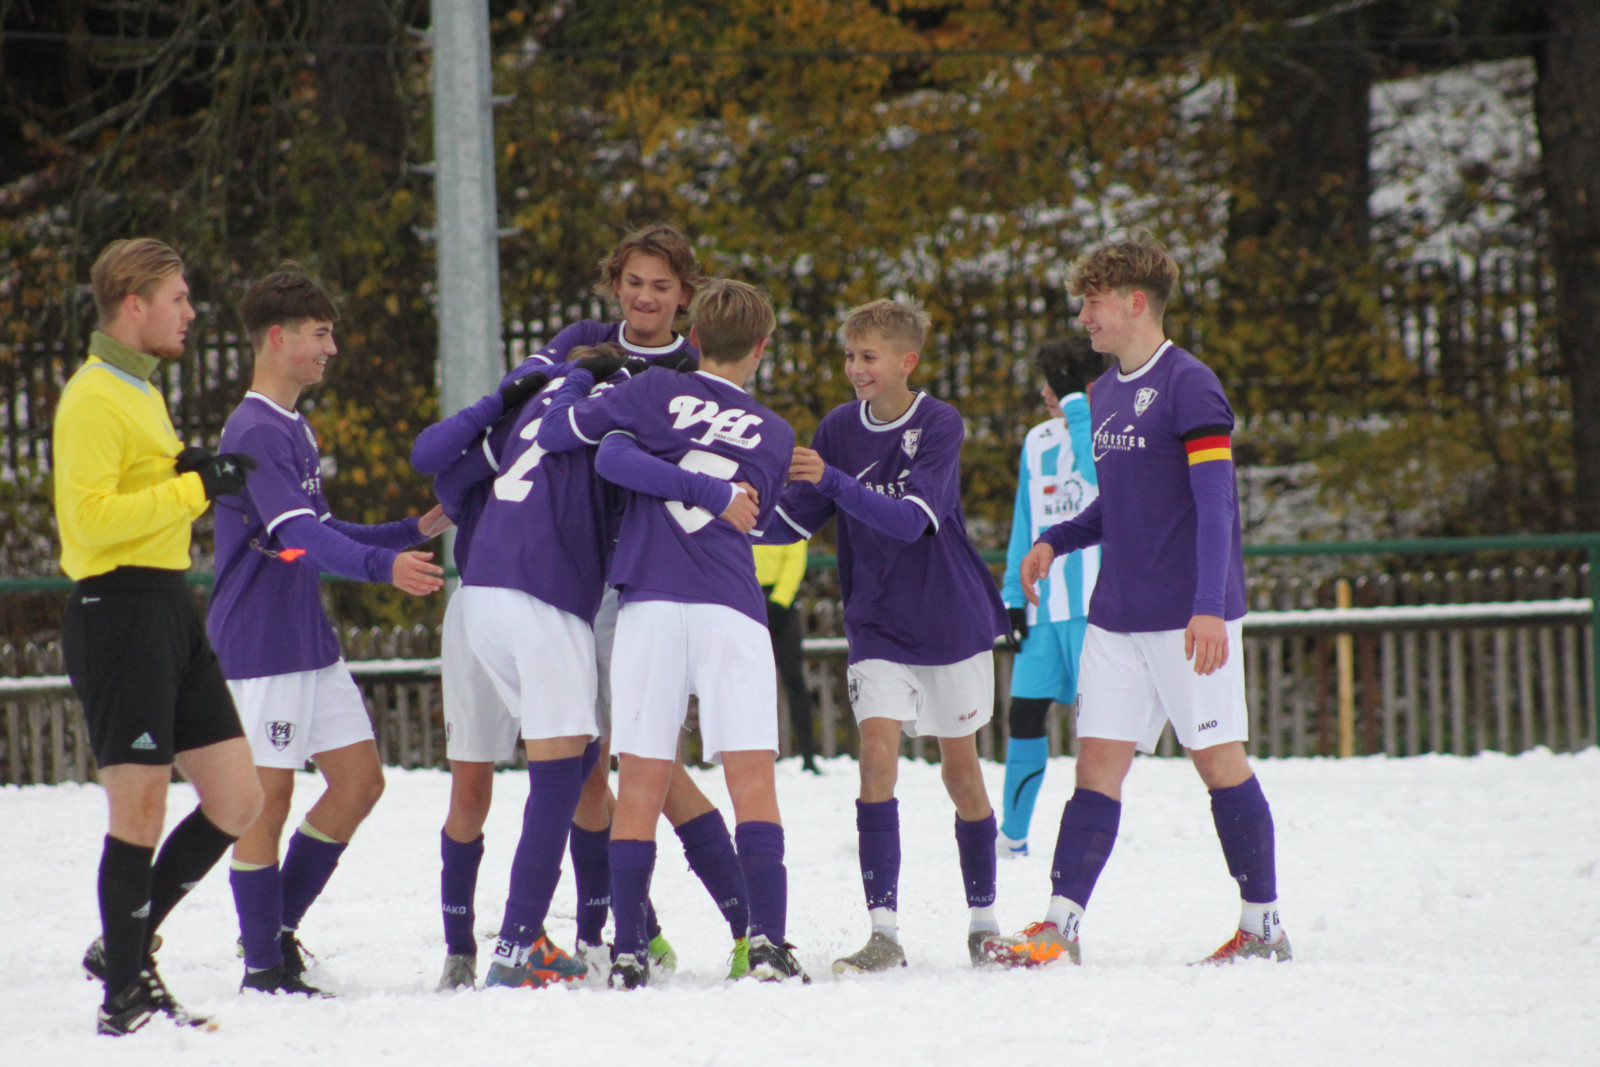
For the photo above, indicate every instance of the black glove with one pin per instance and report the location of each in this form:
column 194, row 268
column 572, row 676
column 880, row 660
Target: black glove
column 636, row 365
column 680, row 361
column 221, row 475
column 515, row 392
column 1019, row 628
column 602, row 367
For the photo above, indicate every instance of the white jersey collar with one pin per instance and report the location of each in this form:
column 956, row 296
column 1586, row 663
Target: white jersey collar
column 273, row 404
column 671, row 346
column 1151, row 362
column 875, row 426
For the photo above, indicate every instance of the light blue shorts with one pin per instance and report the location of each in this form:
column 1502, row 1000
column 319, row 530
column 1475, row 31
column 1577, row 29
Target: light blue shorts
column 1047, row 666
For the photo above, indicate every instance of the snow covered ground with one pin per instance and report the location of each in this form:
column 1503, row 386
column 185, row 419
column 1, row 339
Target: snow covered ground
column 1442, row 910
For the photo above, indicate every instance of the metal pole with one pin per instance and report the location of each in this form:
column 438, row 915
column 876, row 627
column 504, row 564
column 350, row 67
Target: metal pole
column 1594, row 635
column 1345, row 661
column 471, row 359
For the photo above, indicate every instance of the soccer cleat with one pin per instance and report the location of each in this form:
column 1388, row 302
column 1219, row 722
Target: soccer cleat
column 94, row 957
column 168, row 1005
column 460, row 972
column 128, row 1010
column 739, row 959
column 630, row 970
column 596, row 959
column 1247, row 946
column 976, row 939
column 297, row 959
column 662, row 956
column 1008, row 849
column 774, row 963
column 1039, row 944
column 552, row 964
column 507, row 976
column 880, row 953
column 280, row 979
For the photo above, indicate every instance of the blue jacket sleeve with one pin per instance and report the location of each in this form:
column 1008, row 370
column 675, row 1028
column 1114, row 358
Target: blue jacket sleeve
column 1021, row 540
column 1075, row 533
column 899, row 519
column 1081, row 433
column 448, row 439
column 622, row 461
column 397, row 536
column 333, row 552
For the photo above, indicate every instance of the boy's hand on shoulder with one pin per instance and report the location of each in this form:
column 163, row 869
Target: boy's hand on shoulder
column 1205, row 641
column 806, row 466
column 434, row 523
column 414, row 574
column 1035, row 565
column 744, row 509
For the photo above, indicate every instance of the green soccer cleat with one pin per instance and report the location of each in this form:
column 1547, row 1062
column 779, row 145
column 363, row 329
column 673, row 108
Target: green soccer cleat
column 662, row 956
column 739, row 959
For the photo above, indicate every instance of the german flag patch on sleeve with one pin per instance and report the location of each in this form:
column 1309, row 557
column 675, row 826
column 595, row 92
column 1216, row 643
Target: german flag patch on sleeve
column 1208, row 443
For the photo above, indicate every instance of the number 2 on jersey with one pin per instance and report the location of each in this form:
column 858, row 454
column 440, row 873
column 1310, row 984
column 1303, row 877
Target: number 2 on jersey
column 691, row 518
column 514, row 484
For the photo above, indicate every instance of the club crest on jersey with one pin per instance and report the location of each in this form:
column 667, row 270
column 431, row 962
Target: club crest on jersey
column 728, row 426
column 280, row 734
column 1142, row 400
column 909, row 442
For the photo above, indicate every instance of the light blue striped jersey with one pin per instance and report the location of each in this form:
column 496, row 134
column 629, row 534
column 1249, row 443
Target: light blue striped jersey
column 1056, row 481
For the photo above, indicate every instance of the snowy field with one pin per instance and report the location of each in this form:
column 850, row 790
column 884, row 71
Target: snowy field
column 1442, row 910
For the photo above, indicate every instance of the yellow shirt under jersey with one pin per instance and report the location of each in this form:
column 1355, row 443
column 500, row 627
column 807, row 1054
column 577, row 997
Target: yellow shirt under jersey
column 781, row 567
column 118, row 501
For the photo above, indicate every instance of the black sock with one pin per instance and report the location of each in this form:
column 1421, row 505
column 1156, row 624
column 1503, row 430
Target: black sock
column 193, row 848
column 124, row 907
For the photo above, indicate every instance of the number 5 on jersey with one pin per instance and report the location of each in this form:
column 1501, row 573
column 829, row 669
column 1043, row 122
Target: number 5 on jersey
column 692, row 518
column 514, row 485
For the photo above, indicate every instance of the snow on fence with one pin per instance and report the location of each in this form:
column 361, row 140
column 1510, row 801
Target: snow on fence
column 1454, row 678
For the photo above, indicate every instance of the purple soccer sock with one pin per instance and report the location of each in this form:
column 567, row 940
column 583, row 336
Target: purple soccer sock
column 1244, row 826
column 652, row 925
column 1088, row 831
column 258, row 898
column 308, row 863
column 553, row 788
column 975, row 843
column 878, row 829
column 709, row 850
column 632, row 863
column 766, row 881
column 458, row 886
column 591, row 872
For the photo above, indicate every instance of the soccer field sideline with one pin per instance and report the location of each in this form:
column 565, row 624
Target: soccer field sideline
column 1442, row 910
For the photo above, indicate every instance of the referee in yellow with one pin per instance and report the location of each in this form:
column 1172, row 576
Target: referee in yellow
column 126, row 492
column 779, row 569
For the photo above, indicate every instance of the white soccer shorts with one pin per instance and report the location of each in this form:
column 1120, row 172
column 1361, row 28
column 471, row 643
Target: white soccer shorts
column 1131, row 685
column 478, row 726
column 540, row 659
column 289, row 718
column 666, row 652
column 951, row 700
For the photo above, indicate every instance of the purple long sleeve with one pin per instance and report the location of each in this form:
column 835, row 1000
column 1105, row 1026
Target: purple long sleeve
column 333, row 552
column 444, row 442
column 556, row 432
column 395, row 536
column 900, row 519
column 1212, row 485
column 622, row 461
column 1075, row 533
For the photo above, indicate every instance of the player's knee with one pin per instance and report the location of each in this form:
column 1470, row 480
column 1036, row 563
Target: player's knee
column 1027, row 717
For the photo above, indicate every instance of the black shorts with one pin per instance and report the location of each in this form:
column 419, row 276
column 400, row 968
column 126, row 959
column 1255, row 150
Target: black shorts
column 138, row 657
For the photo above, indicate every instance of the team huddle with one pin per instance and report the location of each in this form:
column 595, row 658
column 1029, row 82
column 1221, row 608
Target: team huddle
column 606, row 498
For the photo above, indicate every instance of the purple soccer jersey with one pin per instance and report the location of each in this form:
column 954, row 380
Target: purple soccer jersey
column 929, row 601
column 1167, row 517
column 545, row 524
column 266, row 612
column 666, row 549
